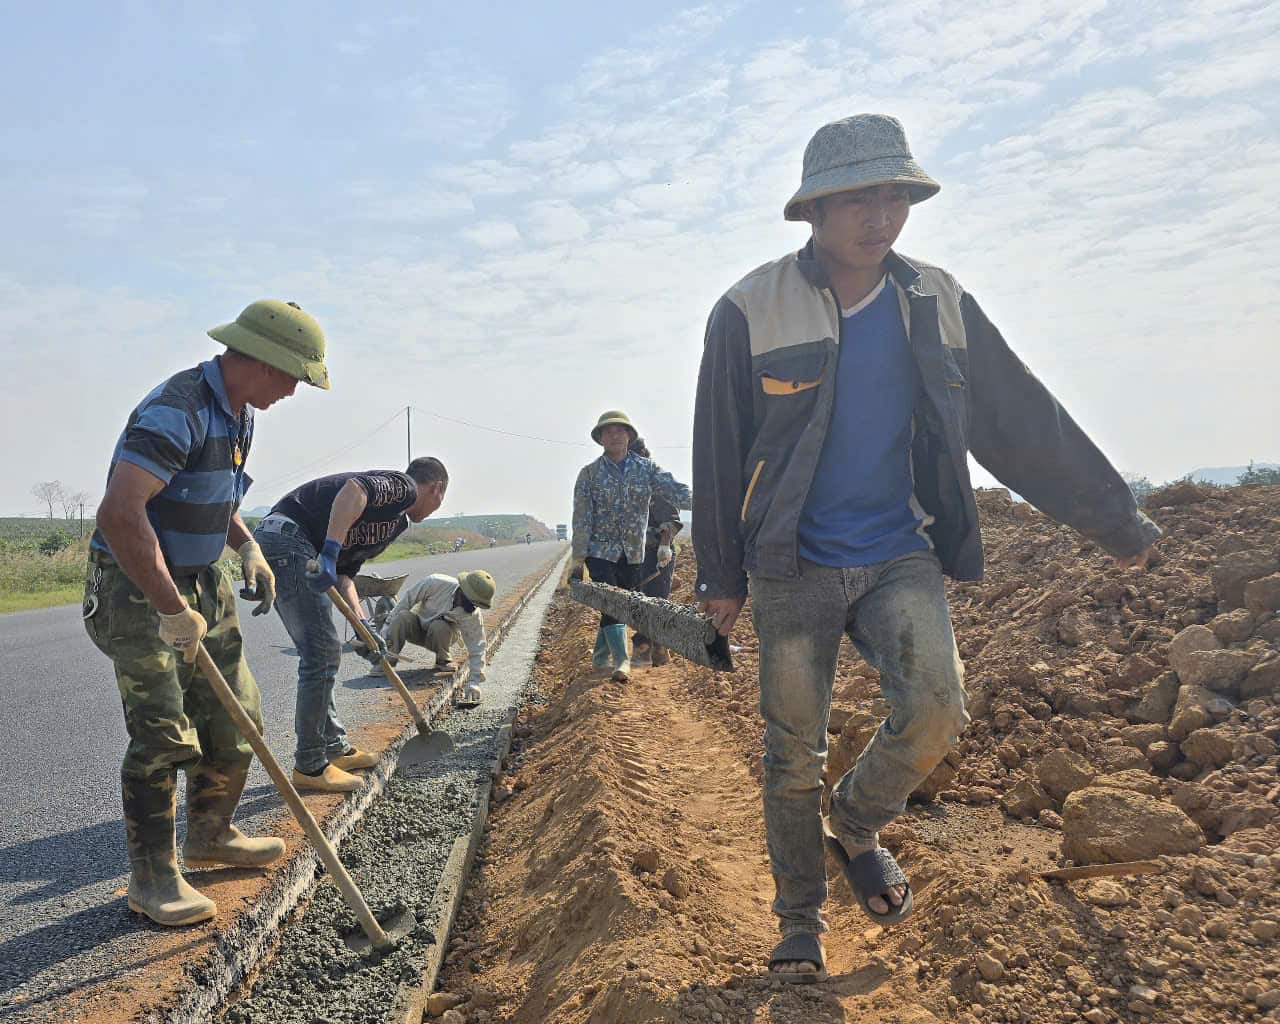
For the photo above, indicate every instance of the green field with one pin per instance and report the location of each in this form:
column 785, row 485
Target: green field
column 42, row 560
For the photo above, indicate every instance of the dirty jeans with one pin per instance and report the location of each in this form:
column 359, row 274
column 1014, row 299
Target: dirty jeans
column 308, row 618
column 896, row 615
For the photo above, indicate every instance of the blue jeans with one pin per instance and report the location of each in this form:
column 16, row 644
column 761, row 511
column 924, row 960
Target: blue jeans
column 896, row 614
column 308, row 617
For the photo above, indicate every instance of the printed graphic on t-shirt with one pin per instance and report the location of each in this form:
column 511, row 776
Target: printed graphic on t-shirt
column 385, row 489
column 368, row 534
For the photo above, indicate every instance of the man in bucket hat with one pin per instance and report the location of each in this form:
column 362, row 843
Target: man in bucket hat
column 154, row 592
column 841, row 390
column 610, row 517
column 435, row 612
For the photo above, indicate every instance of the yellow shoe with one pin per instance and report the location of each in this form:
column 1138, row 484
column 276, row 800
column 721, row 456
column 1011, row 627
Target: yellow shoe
column 331, row 780
column 353, row 759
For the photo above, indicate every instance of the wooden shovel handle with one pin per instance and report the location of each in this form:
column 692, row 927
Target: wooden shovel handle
column 328, row 855
column 419, row 720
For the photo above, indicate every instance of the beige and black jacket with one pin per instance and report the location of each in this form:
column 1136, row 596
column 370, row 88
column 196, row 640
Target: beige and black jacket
column 766, row 391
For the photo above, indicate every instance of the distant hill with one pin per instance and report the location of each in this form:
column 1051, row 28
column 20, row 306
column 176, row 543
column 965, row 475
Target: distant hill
column 510, row 527
column 1227, row 475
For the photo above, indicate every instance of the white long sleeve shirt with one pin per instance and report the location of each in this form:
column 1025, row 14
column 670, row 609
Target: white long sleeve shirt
column 431, row 598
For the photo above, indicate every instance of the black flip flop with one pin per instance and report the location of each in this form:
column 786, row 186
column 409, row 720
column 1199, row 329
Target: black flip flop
column 872, row 873
column 797, row 947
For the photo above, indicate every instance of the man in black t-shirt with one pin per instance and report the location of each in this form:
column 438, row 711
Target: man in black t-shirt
column 338, row 522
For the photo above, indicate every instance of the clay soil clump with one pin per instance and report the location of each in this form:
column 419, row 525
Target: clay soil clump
column 1117, row 715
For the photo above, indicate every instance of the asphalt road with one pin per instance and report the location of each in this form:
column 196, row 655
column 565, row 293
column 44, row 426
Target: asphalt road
column 61, row 739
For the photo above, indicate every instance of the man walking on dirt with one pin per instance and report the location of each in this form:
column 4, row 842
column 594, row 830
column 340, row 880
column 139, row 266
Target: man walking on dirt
column 841, row 390
column 438, row 609
column 174, row 489
column 336, row 522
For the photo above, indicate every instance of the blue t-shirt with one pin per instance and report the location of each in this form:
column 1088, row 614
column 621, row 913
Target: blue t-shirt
column 861, row 507
column 185, row 433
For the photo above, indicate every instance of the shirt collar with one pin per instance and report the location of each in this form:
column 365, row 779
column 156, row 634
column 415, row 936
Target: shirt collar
column 903, row 273
column 212, row 372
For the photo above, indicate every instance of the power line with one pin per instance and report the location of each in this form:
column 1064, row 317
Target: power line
column 332, row 455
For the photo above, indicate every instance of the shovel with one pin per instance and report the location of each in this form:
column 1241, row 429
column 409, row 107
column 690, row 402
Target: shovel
column 376, row 935
column 429, row 744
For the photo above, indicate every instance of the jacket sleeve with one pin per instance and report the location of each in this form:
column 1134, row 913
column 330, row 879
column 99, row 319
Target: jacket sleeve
column 666, row 486
column 583, row 522
column 1028, row 441
column 722, row 435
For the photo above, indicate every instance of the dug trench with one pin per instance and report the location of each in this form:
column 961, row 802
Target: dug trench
column 1117, row 714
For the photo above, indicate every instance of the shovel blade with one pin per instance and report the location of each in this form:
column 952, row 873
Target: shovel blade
column 396, row 922
column 421, row 750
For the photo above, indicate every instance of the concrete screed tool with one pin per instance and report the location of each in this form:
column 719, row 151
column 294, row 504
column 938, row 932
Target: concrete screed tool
column 379, row 934
column 429, row 744
column 680, row 629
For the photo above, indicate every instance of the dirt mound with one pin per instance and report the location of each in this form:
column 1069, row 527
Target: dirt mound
column 1161, row 687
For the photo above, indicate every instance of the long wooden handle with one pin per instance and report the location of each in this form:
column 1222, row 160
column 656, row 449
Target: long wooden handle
column 419, row 720
column 324, row 848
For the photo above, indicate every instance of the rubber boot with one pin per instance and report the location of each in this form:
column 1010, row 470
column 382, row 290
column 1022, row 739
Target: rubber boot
column 156, row 886
column 213, row 792
column 616, row 637
column 600, row 656
column 658, row 655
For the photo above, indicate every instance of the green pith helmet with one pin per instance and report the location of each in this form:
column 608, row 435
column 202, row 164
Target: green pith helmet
column 279, row 334
column 478, row 588
column 612, row 416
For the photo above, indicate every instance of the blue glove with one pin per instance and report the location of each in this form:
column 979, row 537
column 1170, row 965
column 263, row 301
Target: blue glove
column 326, row 568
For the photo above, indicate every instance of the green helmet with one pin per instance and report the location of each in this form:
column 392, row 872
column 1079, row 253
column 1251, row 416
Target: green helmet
column 478, row 588
column 613, row 416
column 279, row 334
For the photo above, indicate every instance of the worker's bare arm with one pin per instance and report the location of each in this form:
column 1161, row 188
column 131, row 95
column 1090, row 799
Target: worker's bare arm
column 122, row 518
column 347, row 506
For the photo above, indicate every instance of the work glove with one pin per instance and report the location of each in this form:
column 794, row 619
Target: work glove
column 379, row 650
column 259, row 580
column 664, row 555
column 578, row 569
column 323, row 572
column 183, row 631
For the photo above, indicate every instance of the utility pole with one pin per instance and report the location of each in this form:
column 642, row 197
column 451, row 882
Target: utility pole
column 408, row 434
column 82, row 520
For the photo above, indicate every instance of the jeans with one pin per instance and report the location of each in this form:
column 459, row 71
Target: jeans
column 618, row 574
column 896, row 615
column 308, row 617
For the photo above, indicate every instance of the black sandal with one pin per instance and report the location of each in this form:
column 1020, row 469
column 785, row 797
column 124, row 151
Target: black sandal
column 873, row 873
column 799, row 947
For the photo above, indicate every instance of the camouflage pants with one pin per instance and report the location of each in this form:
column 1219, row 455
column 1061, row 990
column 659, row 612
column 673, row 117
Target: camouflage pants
column 173, row 718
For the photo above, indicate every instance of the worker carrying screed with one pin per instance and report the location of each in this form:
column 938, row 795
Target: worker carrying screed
column 434, row 612
column 174, row 489
column 338, row 522
column 610, row 515
column 841, row 390
column 659, row 559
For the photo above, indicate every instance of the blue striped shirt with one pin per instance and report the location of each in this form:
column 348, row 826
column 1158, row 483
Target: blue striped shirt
column 185, row 433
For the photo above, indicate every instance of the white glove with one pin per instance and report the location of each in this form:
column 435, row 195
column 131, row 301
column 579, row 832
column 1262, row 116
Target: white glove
column 183, row 631
column 664, row 555
column 259, row 580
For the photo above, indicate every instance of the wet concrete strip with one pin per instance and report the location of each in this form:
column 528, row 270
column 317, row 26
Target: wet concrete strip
column 400, row 852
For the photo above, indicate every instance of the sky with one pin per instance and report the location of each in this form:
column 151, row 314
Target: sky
column 520, row 215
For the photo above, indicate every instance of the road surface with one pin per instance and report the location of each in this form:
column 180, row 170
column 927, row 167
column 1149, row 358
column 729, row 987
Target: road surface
column 63, row 862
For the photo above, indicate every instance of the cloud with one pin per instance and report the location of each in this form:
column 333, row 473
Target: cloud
column 492, row 234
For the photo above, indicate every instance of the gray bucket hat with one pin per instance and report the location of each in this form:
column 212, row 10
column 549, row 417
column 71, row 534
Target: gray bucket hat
column 857, row 152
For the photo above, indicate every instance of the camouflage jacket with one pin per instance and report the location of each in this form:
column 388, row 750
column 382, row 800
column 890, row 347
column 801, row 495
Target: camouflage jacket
column 611, row 506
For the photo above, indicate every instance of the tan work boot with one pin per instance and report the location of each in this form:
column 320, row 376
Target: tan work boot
column 213, row 791
column 331, row 780
column 354, row 759
column 156, row 886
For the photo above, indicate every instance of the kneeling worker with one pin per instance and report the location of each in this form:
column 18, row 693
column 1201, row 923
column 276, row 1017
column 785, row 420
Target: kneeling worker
column 155, row 590
column 435, row 611
column 338, row 522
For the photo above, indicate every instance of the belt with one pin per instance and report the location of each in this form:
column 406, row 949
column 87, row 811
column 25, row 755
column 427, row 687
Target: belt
column 276, row 523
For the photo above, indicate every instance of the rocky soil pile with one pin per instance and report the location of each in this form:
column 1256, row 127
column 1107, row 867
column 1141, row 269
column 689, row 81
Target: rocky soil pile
column 1118, row 715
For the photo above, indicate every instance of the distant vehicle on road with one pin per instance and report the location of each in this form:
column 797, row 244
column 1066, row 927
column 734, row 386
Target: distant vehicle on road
column 562, row 531
column 458, row 543
column 528, row 538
